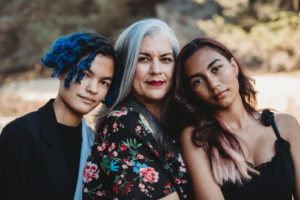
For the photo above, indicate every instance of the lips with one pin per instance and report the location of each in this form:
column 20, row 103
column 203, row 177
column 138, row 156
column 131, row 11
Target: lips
column 87, row 100
column 155, row 83
column 220, row 95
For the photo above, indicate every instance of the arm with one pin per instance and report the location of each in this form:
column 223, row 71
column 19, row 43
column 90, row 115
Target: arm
column 290, row 130
column 17, row 152
column 128, row 168
column 199, row 167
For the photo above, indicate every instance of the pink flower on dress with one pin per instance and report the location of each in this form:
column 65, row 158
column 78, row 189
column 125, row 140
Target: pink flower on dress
column 116, row 189
column 124, row 166
column 85, row 190
column 115, row 125
column 141, row 185
column 119, row 113
column 156, row 153
column 105, row 131
column 138, row 128
column 123, row 147
column 180, row 160
column 119, row 182
column 149, row 174
column 182, row 169
column 168, row 185
column 128, row 187
column 127, row 162
column 115, row 154
column 140, row 156
column 177, row 180
column 101, row 147
column 167, row 191
column 90, row 171
column 112, row 147
column 100, row 194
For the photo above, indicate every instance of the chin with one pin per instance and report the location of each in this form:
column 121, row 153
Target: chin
column 84, row 110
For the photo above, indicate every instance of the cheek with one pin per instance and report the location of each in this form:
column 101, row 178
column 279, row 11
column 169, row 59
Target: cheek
column 102, row 92
column 140, row 73
column 200, row 93
column 169, row 71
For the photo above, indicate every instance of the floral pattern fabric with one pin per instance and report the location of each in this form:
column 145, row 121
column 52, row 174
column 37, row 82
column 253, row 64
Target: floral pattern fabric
column 126, row 162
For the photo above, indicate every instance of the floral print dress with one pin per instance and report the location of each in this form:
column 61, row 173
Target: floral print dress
column 126, row 162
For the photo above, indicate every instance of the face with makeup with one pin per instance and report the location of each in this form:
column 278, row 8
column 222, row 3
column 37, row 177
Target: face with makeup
column 81, row 98
column 213, row 78
column 154, row 70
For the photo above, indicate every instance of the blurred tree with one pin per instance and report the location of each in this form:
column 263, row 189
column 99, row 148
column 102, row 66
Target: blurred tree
column 28, row 27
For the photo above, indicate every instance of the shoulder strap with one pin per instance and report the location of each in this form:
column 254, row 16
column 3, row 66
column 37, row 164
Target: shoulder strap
column 267, row 118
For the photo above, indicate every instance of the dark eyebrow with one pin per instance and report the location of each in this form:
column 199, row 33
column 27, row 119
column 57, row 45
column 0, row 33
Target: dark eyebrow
column 208, row 66
column 165, row 54
column 193, row 76
column 212, row 62
column 146, row 54
column 107, row 78
column 90, row 71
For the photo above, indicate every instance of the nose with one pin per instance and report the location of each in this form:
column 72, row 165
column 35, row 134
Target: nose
column 92, row 86
column 213, row 82
column 155, row 67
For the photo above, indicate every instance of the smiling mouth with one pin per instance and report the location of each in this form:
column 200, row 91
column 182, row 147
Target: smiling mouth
column 155, row 83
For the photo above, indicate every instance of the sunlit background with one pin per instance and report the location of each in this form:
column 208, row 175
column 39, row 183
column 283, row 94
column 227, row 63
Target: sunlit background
column 263, row 34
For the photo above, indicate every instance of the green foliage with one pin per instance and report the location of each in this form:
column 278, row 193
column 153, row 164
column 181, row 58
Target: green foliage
column 262, row 37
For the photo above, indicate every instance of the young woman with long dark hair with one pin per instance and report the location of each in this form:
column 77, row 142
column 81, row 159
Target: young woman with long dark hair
column 232, row 151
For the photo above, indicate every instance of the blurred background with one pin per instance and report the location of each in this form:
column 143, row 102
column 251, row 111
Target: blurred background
column 263, row 34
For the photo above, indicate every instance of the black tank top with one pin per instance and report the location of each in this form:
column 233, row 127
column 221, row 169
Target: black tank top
column 276, row 179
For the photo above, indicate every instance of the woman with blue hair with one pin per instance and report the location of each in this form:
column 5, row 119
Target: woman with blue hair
column 132, row 157
column 43, row 152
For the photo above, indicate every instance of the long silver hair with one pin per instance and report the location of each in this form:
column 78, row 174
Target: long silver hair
column 128, row 47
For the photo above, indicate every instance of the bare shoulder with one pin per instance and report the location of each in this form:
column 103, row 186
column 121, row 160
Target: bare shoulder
column 288, row 126
column 186, row 141
column 186, row 134
column 187, row 144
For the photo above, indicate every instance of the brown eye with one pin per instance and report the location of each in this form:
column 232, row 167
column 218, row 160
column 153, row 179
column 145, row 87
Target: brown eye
column 167, row 59
column 142, row 59
column 105, row 83
column 197, row 81
column 216, row 68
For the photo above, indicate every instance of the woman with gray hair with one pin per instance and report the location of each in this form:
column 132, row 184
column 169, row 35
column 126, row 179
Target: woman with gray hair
column 132, row 157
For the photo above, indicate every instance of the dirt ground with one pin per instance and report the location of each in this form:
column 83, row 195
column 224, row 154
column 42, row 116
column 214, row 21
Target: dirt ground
column 280, row 91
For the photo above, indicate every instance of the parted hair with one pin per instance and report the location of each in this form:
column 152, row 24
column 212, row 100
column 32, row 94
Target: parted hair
column 128, row 47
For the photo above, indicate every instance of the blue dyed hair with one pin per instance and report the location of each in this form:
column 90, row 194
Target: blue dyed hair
column 74, row 53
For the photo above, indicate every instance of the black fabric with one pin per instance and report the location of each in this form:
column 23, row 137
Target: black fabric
column 72, row 141
column 276, row 179
column 34, row 158
column 124, row 148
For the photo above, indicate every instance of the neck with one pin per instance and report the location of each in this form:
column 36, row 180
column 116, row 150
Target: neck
column 154, row 109
column 236, row 118
column 64, row 114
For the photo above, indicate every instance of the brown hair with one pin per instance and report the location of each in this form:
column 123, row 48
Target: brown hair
column 183, row 108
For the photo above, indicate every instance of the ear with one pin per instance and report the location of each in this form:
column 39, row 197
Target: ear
column 234, row 66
